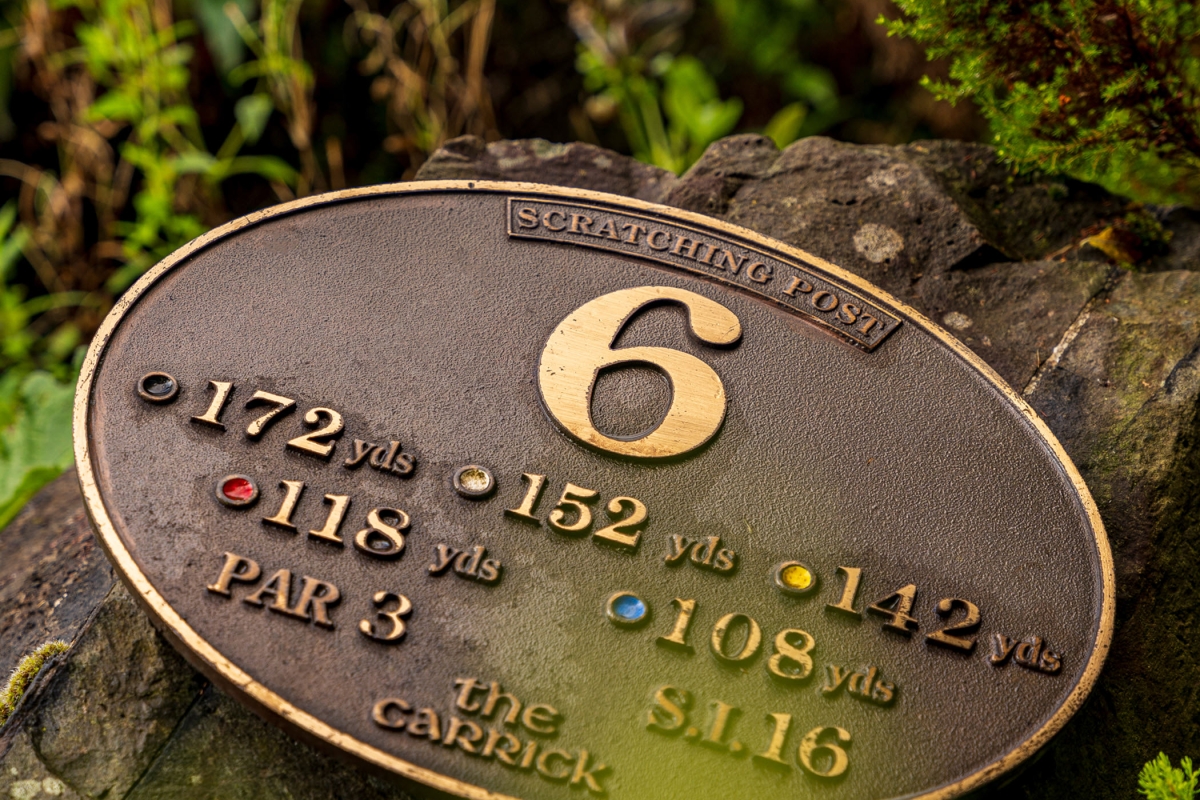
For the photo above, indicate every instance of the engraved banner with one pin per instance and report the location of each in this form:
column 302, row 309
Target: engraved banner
column 793, row 284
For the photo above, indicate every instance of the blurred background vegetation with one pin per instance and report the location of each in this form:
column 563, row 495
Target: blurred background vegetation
column 128, row 127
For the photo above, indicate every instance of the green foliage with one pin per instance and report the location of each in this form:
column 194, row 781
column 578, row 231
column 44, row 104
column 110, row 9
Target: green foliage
column 1160, row 781
column 143, row 66
column 284, row 82
column 767, row 34
column 133, row 58
column 787, row 124
column 35, row 440
column 36, row 385
column 26, row 671
column 697, row 115
column 25, row 345
column 427, row 59
column 220, row 33
column 1104, row 90
column 141, row 61
column 668, row 104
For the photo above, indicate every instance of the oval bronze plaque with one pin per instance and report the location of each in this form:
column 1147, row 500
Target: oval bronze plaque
column 523, row 491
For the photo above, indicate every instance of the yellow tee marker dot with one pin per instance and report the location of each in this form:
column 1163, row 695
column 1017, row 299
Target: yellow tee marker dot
column 794, row 578
column 797, row 577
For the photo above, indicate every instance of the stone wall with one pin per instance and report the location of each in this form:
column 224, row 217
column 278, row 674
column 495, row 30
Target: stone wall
column 1107, row 355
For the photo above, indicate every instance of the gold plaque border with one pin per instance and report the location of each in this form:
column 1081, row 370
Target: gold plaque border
column 275, row 709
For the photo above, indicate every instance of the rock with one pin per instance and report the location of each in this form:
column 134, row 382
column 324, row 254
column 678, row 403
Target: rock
column 25, row 777
column 727, row 165
column 98, row 727
column 256, row 762
column 1108, row 356
column 1122, row 397
column 1183, row 250
column 126, row 717
column 1012, row 315
column 52, row 573
column 890, row 214
column 580, row 165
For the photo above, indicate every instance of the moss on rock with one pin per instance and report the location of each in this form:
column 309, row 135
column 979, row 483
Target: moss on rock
column 23, row 675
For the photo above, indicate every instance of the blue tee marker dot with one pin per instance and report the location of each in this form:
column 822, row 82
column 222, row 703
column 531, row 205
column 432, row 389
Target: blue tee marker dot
column 629, row 608
column 626, row 609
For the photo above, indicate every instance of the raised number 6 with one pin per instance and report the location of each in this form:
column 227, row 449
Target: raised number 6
column 581, row 346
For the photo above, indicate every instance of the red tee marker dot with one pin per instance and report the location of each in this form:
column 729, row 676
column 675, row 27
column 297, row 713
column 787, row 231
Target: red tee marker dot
column 237, row 491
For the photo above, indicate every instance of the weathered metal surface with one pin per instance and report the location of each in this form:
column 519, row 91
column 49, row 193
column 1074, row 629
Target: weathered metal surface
column 392, row 462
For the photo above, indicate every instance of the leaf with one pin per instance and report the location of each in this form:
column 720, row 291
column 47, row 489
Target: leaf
column 715, row 119
column 784, row 127
column 31, row 481
column 220, row 34
column 36, row 445
column 62, row 342
column 688, row 79
column 117, row 106
column 194, row 163
column 98, row 45
column 692, row 102
column 269, row 167
column 8, row 215
column 180, row 115
column 252, row 113
column 10, row 244
column 46, row 302
column 1110, row 243
column 812, row 84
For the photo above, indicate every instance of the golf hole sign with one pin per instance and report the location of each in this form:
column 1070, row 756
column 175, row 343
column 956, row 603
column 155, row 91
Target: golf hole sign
column 512, row 490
